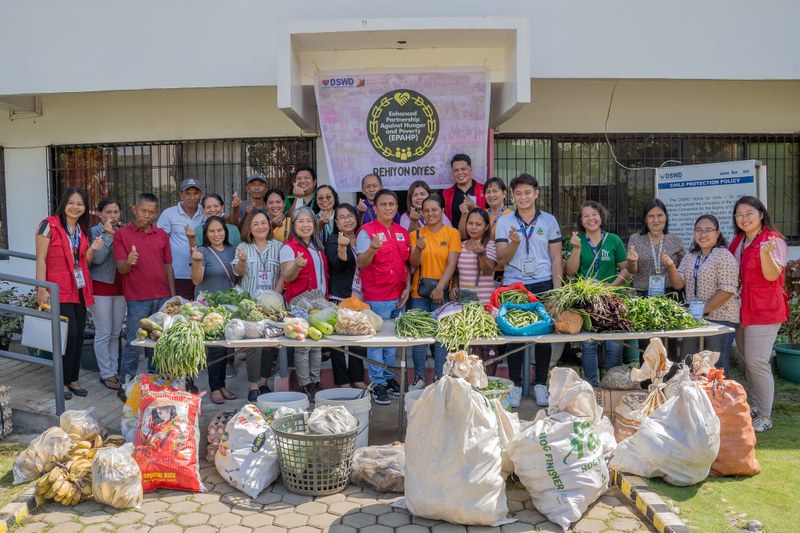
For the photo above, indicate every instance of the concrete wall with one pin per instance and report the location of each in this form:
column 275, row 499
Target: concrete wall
column 97, row 45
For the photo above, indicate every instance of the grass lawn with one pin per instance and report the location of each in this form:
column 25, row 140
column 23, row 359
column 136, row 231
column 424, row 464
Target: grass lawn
column 771, row 496
column 9, row 491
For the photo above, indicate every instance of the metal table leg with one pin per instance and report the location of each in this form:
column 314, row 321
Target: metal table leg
column 526, row 370
column 403, row 378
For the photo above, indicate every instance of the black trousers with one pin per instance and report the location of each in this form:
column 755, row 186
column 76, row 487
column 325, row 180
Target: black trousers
column 541, row 355
column 345, row 371
column 76, row 325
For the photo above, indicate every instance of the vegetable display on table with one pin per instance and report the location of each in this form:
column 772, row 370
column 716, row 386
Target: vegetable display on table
column 601, row 304
column 513, row 296
column 227, row 297
column 416, row 323
column 214, row 322
column 180, row 351
column 660, row 313
column 519, row 318
column 458, row 325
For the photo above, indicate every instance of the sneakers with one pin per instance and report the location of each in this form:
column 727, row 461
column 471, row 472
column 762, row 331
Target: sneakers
column 380, row 395
column 541, row 396
column 753, row 412
column 393, row 386
column 230, row 371
column 516, row 396
column 761, row 424
column 309, row 391
column 417, row 384
column 252, row 395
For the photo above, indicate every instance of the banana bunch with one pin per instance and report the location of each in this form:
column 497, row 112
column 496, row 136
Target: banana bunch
column 114, row 440
column 122, row 495
column 41, row 455
column 68, row 484
column 84, row 449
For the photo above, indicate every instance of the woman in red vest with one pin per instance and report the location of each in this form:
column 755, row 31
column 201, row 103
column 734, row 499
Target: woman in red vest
column 305, row 268
column 62, row 256
column 761, row 251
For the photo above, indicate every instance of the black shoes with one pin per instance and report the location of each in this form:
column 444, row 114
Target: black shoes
column 380, row 395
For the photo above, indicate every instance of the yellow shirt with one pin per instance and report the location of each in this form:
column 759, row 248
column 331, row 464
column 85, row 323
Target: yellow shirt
column 434, row 257
column 280, row 233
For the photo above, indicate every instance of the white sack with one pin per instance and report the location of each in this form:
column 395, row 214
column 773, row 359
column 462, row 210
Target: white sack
column 560, row 458
column 453, row 462
column 247, row 457
column 678, row 441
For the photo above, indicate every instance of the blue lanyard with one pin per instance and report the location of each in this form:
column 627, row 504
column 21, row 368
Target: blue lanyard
column 497, row 217
column 75, row 242
column 523, row 228
column 595, row 266
column 697, row 264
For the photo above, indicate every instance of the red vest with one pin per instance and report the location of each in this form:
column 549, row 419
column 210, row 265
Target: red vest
column 306, row 279
column 763, row 302
column 60, row 264
column 385, row 277
column 449, row 194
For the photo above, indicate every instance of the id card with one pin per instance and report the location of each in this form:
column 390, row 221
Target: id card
column 357, row 282
column 657, row 285
column 696, row 308
column 79, row 278
column 528, row 267
column 265, row 280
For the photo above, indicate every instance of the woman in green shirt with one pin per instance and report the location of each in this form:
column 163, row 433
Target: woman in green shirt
column 595, row 253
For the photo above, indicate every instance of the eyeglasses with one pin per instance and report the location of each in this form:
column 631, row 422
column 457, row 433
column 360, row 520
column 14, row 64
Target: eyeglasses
column 346, row 217
column 705, row 231
column 749, row 214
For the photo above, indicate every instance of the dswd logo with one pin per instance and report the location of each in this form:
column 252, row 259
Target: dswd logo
column 343, row 82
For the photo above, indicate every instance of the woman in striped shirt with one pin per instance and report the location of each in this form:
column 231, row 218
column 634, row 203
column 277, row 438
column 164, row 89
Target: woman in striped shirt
column 257, row 262
column 478, row 258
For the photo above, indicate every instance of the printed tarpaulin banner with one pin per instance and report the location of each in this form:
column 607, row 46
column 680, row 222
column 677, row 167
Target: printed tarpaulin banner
column 402, row 126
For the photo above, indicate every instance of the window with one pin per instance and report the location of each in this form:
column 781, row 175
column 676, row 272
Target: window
column 127, row 170
column 582, row 167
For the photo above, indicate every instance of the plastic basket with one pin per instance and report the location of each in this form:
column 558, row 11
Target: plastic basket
column 312, row 464
column 504, row 395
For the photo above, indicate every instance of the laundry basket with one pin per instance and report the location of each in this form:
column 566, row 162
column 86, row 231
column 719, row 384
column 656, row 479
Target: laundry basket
column 312, row 464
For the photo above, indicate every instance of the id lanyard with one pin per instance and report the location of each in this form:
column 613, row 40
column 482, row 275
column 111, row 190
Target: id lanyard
column 697, row 264
column 656, row 254
column 502, row 211
column 75, row 243
column 595, row 266
column 523, row 228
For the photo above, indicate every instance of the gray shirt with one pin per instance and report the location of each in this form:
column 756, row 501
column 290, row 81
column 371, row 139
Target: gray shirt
column 218, row 272
column 103, row 267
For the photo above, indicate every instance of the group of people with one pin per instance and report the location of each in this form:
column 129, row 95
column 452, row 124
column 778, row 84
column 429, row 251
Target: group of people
column 462, row 243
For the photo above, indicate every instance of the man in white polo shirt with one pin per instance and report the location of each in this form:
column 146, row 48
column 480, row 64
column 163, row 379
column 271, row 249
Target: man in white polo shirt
column 529, row 244
column 176, row 221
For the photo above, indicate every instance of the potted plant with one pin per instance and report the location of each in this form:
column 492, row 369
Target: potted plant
column 9, row 323
column 787, row 354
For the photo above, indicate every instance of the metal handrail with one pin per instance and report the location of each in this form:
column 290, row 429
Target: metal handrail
column 54, row 315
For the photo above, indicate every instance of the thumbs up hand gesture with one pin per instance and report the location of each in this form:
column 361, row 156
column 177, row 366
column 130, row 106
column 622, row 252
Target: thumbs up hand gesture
column 133, row 256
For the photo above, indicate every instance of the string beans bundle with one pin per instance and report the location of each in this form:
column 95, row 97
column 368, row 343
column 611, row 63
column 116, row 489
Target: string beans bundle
column 513, row 296
column 416, row 323
column 180, row 351
column 519, row 318
column 472, row 322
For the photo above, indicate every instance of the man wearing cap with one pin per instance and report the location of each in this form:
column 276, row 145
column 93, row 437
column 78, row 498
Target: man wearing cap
column 177, row 221
column 256, row 188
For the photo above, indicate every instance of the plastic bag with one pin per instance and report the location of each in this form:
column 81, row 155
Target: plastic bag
column 247, row 457
column 560, row 457
column 453, row 470
column 678, row 441
column 619, row 378
column 380, row 467
column 349, row 322
column 116, row 478
column 173, row 305
column 234, row 330
column 166, row 439
column 655, row 366
column 133, row 391
column 468, row 367
column 80, row 424
column 331, row 420
column 516, row 286
column 737, row 444
column 40, row 455
column 542, row 327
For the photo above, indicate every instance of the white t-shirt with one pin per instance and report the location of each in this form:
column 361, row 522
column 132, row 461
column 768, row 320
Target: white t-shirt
column 535, row 245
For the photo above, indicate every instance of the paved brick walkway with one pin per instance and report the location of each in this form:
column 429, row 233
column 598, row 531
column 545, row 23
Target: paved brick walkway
column 278, row 510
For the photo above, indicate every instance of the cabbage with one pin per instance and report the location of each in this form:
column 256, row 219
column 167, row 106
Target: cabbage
column 270, row 300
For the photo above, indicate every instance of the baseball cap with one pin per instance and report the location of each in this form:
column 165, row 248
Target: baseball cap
column 257, row 176
column 191, row 182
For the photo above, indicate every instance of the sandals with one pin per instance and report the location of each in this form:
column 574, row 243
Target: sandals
column 110, row 383
column 228, row 395
column 217, row 399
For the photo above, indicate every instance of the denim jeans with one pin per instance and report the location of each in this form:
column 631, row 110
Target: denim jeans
column 137, row 309
column 589, row 357
column 717, row 343
column 108, row 313
column 420, row 353
column 386, row 309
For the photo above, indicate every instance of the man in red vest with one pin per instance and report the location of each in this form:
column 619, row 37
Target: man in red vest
column 383, row 249
column 464, row 195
